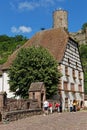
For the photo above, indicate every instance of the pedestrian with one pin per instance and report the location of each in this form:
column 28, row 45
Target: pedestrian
column 51, row 107
column 74, row 105
column 57, row 105
column 45, row 107
column 60, row 107
column 71, row 106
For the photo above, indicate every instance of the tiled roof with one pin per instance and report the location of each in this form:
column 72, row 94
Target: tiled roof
column 37, row 86
column 54, row 40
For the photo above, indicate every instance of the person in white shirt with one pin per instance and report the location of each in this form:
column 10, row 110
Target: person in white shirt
column 71, row 106
column 45, row 107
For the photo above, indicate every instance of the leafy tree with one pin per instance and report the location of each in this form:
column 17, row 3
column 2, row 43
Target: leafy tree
column 84, row 26
column 4, row 38
column 19, row 38
column 83, row 53
column 32, row 65
column 85, row 83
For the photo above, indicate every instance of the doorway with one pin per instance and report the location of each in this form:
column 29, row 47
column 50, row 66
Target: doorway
column 42, row 99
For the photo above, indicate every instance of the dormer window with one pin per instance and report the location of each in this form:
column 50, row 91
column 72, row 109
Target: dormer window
column 76, row 65
column 68, row 61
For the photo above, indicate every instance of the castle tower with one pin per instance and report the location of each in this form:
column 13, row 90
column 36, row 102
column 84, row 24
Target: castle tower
column 60, row 19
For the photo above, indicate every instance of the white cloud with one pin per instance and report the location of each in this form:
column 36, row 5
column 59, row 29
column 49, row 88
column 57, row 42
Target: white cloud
column 21, row 29
column 28, row 5
column 40, row 3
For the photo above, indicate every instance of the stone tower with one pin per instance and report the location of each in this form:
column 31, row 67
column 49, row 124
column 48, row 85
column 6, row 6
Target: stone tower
column 60, row 19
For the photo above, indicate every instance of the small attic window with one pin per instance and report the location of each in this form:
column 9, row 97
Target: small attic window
column 76, row 65
column 68, row 61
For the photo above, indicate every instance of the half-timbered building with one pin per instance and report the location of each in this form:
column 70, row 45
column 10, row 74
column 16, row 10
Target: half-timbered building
column 65, row 50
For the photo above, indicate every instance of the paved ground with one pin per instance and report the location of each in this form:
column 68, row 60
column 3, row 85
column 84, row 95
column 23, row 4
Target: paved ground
column 55, row 121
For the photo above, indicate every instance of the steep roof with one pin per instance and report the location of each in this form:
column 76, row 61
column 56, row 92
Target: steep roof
column 54, row 40
column 37, row 86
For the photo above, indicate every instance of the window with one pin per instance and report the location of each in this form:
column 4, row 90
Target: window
column 80, row 88
column 79, row 76
column 33, row 95
column 76, row 65
column 66, row 71
column 66, row 102
column 65, row 85
column 73, row 74
column 68, row 61
column 72, row 87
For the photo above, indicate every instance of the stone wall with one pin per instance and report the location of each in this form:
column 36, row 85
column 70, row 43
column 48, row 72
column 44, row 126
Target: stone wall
column 19, row 114
column 12, row 109
column 21, row 104
column 80, row 37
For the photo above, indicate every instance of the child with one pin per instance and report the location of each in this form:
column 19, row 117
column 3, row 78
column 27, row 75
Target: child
column 71, row 106
column 50, row 108
column 57, row 106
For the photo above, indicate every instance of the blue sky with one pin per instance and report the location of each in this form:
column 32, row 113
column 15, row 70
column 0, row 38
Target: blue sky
column 26, row 17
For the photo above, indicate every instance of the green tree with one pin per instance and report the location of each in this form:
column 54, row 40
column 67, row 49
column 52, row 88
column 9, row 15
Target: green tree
column 32, row 65
column 83, row 54
column 19, row 38
column 84, row 26
column 4, row 38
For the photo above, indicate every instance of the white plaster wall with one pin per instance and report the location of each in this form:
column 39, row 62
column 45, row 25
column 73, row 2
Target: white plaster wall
column 5, row 85
column 0, row 83
column 85, row 103
column 70, row 95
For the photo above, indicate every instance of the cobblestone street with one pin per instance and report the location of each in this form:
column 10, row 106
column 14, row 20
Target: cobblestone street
column 55, row 121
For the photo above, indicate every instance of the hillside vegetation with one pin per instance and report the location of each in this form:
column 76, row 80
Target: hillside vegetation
column 8, row 45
